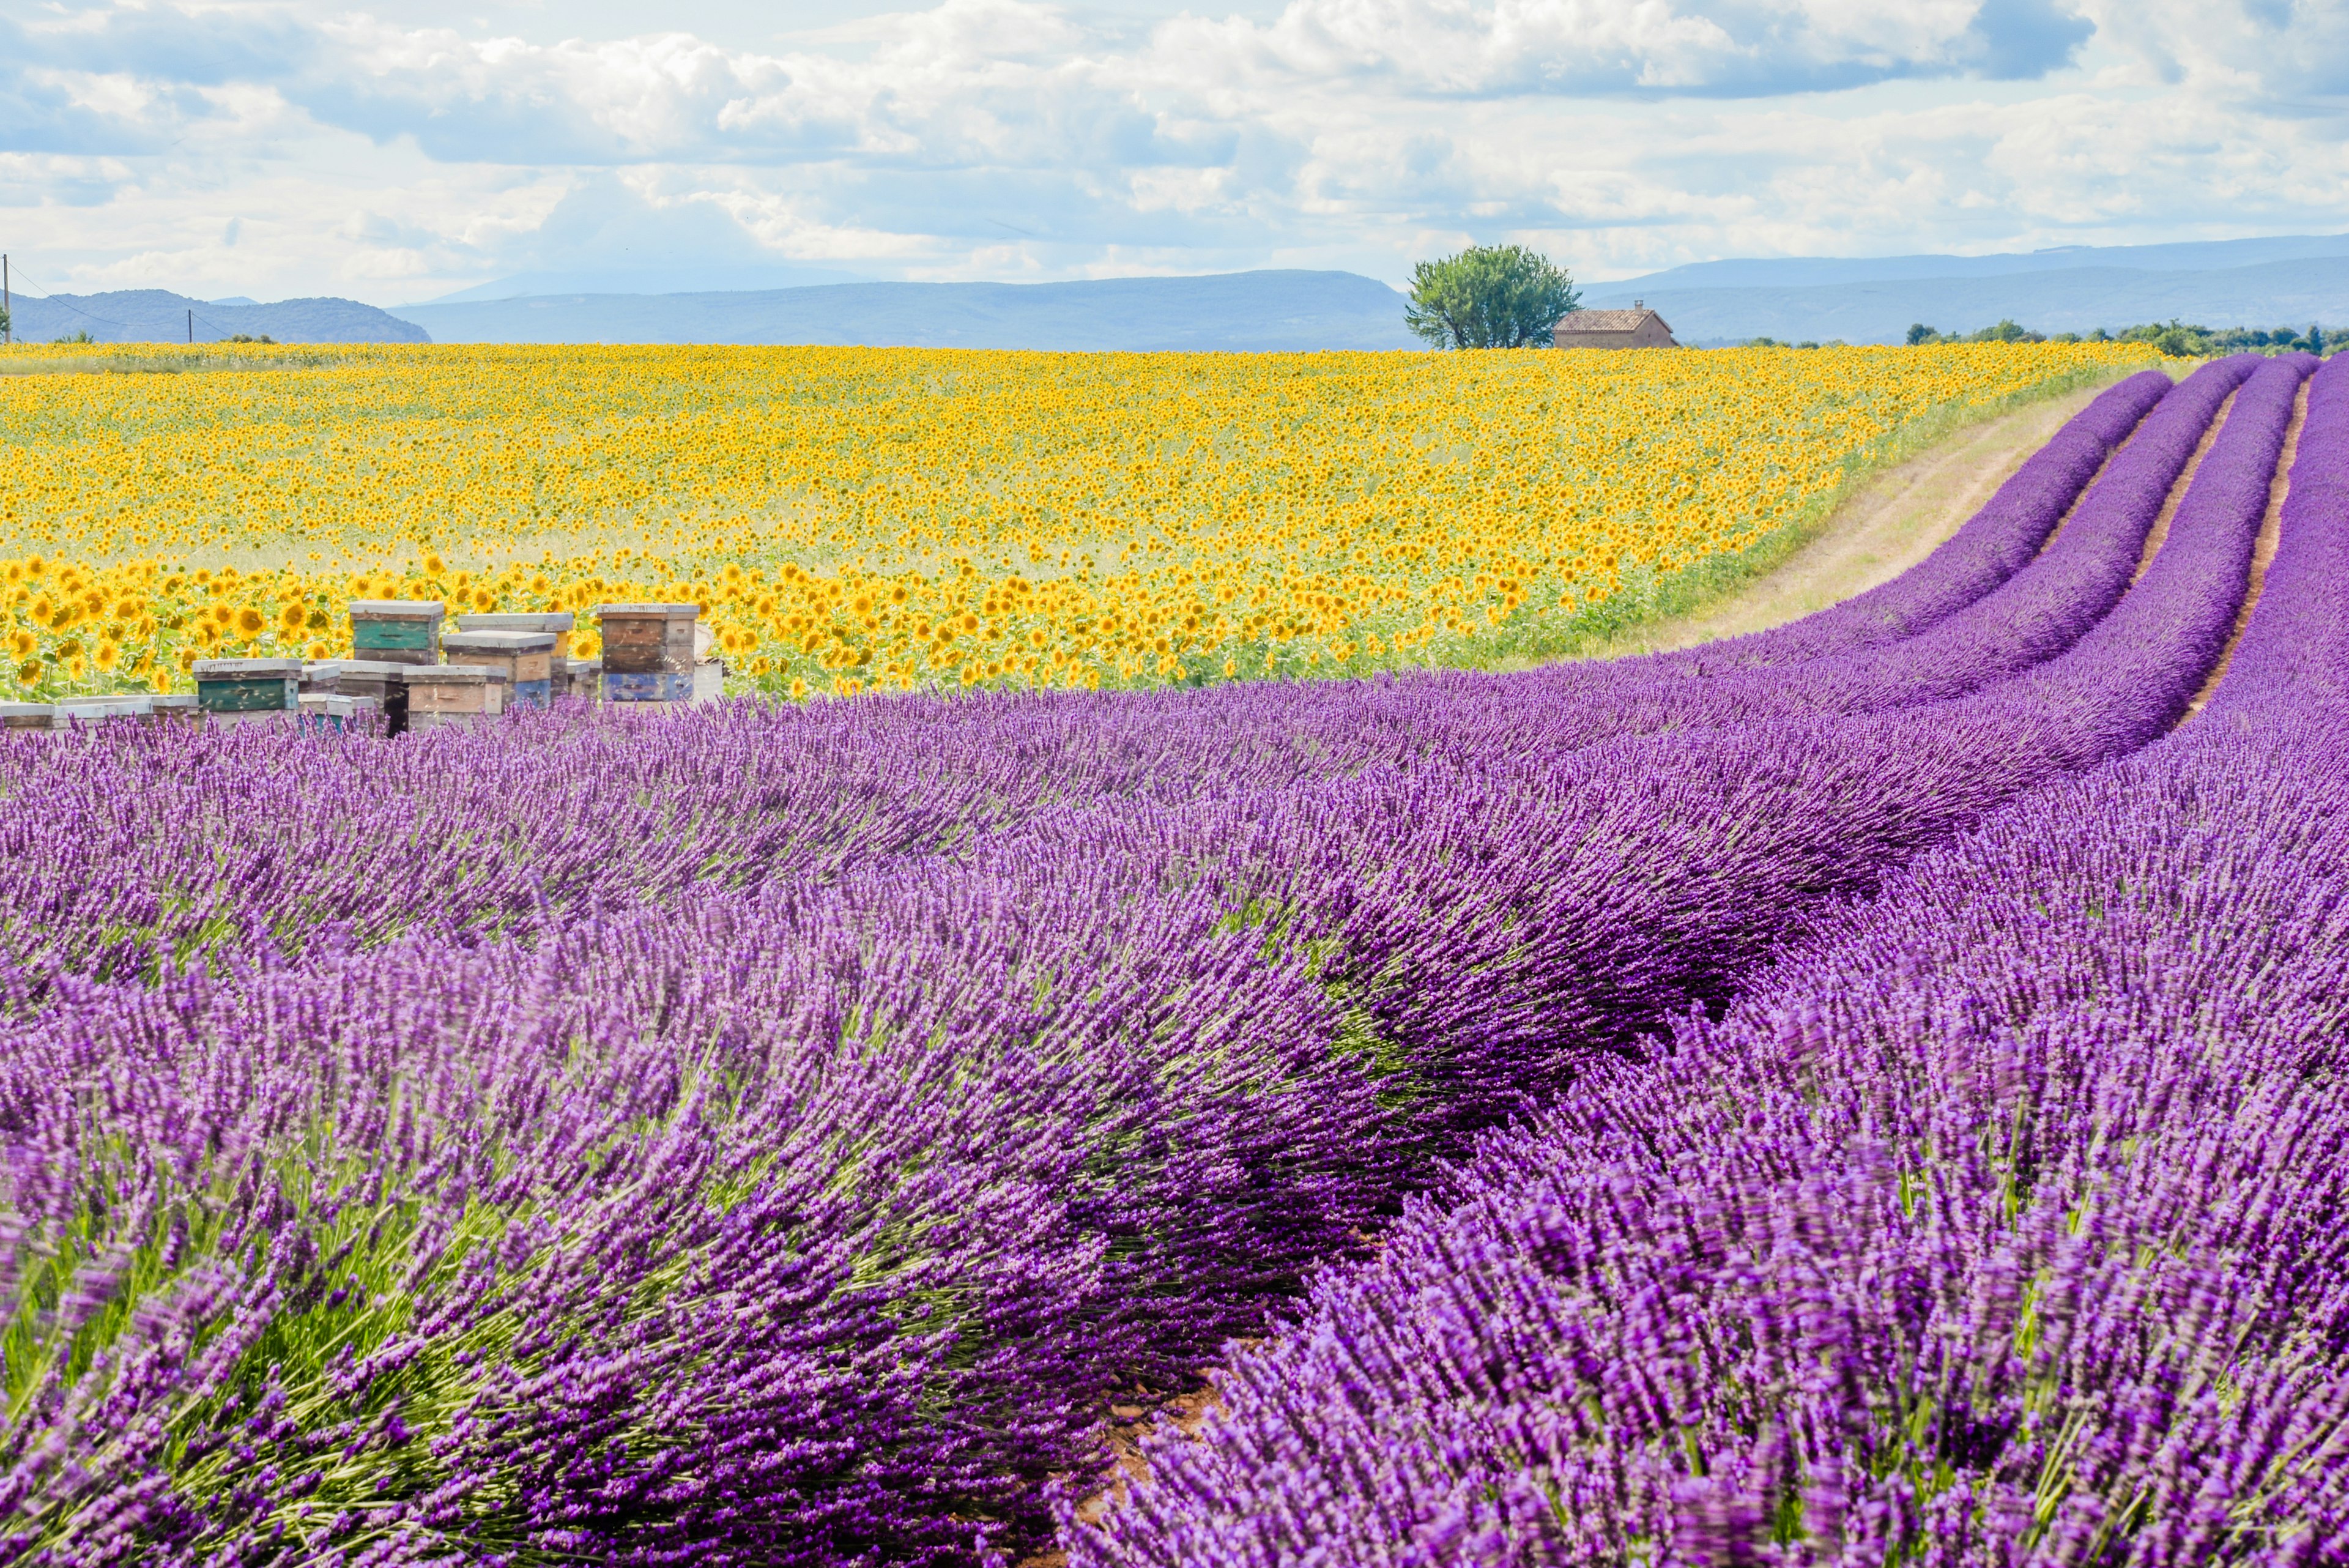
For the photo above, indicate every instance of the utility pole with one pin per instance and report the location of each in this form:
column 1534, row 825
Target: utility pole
column 192, row 324
column 7, row 314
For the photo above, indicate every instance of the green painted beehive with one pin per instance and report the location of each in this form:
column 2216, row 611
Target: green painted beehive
column 249, row 685
column 396, row 631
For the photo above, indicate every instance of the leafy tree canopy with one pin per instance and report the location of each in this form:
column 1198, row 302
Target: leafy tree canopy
column 2174, row 337
column 1489, row 296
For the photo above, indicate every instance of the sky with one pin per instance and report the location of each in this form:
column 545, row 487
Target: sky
column 400, row 154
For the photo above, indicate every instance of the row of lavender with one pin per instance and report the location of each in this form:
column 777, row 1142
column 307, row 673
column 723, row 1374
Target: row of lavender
column 2006, row 1223
column 255, row 844
column 819, row 1222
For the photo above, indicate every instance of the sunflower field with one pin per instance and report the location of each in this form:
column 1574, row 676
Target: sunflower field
column 894, row 518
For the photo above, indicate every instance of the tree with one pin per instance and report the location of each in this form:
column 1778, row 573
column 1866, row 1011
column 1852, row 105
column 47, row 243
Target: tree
column 1919, row 333
column 1489, row 296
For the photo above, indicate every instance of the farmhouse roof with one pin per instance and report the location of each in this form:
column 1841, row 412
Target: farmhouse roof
column 1604, row 320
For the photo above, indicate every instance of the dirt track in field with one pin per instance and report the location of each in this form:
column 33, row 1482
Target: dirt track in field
column 1894, row 520
column 2262, row 554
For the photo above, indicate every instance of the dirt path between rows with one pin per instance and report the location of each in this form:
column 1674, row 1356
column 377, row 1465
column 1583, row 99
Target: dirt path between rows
column 1894, row 521
column 2263, row 553
column 1891, row 522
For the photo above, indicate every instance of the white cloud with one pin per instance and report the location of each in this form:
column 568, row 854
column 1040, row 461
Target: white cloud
column 255, row 146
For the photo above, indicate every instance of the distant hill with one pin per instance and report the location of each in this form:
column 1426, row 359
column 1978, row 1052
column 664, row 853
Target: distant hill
column 1235, row 311
column 155, row 316
column 2293, row 280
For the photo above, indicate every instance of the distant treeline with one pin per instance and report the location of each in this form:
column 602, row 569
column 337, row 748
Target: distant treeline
column 2175, row 337
column 2178, row 337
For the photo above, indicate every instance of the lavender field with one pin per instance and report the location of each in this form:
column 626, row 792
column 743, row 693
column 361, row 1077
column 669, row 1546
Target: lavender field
column 1865, row 1092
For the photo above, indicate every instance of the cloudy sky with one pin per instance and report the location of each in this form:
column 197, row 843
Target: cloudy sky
column 401, row 153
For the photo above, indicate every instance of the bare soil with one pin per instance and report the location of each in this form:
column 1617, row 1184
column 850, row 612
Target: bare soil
column 1891, row 522
column 2262, row 553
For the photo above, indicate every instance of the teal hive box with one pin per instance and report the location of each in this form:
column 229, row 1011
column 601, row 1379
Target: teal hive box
column 396, row 631
column 249, row 685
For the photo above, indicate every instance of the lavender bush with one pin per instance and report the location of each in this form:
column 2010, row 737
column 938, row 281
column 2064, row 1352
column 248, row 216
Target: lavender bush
column 2002, row 1222
column 114, row 857
column 2007, row 1226
column 819, row 1220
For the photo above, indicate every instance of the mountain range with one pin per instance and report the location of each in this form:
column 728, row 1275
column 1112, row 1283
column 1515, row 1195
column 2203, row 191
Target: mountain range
column 1227, row 311
column 2288, row 280
column 2293, row 280
column 158, row 315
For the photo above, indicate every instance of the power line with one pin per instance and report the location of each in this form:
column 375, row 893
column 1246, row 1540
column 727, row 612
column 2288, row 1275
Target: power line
column 50, row 298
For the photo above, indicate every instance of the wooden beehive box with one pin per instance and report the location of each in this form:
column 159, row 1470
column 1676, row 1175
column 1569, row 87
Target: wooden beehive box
column 332, row 712
column 399, row 632
column 526, row 658
column 647, row 639
column 386, row 682
column 558, row 622
column 179, row 708
column 248, row 685
column 440, row 690
column 27, row 715
column 137, row 708
column 579, row 677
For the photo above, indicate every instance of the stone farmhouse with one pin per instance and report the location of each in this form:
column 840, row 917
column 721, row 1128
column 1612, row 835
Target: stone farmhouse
column 1637, row 327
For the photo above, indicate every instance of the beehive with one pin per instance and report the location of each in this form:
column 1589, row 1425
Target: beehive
column 526, row 658
column 437, row 692
column 397, row 631
column 240, row 686
column 558, row 622
column 25, row 715
column 647, row 639
column 332, row 712
column 137, row 708
column 579, row 677
column 179, row 708
column 385, row 683
column 659, row 686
